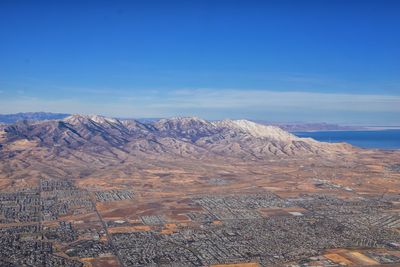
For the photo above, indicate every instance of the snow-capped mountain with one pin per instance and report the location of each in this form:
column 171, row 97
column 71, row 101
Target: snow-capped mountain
column 82, row 143
column 229, row 138
column 256, row 130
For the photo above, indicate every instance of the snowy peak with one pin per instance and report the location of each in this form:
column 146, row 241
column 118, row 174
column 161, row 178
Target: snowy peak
column 256, row 130
column 196, row 128
column 83, row 119
column 101, row 119
column 184, row 120
column 182, row 123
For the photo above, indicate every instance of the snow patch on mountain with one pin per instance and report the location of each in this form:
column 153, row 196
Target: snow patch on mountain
column 256, row 130
column 77, row 119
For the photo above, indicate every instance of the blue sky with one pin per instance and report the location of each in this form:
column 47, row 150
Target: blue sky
column 332, row 61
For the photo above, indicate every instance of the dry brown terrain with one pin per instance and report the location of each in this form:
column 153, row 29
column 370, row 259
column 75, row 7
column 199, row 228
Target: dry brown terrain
column 140, row 184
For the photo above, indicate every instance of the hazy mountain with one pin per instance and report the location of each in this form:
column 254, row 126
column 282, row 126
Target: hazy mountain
column 306, row 127
column 36, row 116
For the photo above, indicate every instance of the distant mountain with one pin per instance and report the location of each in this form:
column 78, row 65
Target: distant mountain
column 35, row 116
column 307, row 127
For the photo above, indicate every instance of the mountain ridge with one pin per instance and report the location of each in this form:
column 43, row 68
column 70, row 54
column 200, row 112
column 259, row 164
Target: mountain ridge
column 291, row 127
column 80, row 145
column 192, row 130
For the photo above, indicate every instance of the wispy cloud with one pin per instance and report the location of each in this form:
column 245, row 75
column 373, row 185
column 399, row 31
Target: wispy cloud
column 208, row 98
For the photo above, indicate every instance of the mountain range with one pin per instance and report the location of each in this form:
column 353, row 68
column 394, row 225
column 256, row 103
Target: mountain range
column 291, row 127
column 180, row 135
column 78, row 144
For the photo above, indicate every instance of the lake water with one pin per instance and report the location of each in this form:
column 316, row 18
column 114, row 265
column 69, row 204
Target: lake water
column 385, row 139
